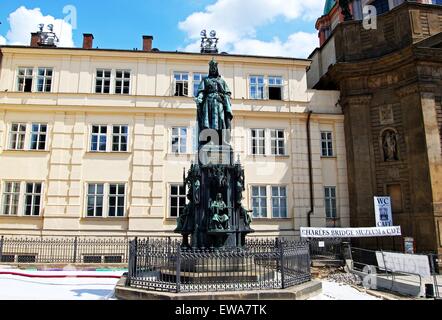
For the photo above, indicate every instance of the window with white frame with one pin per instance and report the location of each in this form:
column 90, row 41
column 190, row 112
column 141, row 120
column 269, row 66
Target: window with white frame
column 99, row 138
column 11, row 197
column 277, row 139
column 103, row 81
column 95, row 200
column 326, row 144
column 177, row 200
column 330, row 202
column 17, row 136
column 119, row 138
column 122, row 81
column 38, row 136
column 181, row 80
column 275, row 88
column 33, row 199
column 25, row 79
column 197, row 79
column 259, row 201
column 279, row 202
column 257, row 87
column 258, row 141
column 117, row 195
column 179, row 140
column 44, row 79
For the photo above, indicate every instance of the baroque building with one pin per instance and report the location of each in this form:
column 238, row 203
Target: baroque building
column 95, row 141
column 390, row 80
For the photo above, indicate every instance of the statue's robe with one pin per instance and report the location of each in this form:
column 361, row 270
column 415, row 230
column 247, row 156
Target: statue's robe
column 215, row 111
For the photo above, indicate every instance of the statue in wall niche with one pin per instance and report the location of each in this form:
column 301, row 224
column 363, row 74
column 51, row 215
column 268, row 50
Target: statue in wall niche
column 345, row 9
column 220, row 219
column 390, row 146
column 214, row 105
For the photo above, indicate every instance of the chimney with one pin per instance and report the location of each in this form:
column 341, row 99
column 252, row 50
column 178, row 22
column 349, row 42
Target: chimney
column 147, row 43
column 88, row 40
column 35, row 39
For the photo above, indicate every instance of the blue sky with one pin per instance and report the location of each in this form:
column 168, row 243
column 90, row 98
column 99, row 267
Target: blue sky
column 267, row 27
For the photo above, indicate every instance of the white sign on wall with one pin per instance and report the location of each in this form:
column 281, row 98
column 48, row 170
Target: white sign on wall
column 382, row 208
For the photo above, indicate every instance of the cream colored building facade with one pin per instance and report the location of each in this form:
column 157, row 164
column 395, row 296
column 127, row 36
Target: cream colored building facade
column 55, row 180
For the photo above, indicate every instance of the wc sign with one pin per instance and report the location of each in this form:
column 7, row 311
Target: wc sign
column 382, row 206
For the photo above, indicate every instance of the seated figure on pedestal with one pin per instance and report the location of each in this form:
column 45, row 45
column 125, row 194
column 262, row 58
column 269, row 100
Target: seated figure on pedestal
column 220, row 220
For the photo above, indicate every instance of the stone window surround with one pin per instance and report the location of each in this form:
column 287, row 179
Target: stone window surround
column 28, row 136
column 21, row 206
column 105, row 195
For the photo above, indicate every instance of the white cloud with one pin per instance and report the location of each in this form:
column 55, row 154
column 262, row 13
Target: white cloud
column 237, row 21
column 23, row 21
column 2, row 40
column 299, row 45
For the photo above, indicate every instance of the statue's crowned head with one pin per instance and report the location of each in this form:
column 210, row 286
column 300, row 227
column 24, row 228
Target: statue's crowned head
column 213, row 68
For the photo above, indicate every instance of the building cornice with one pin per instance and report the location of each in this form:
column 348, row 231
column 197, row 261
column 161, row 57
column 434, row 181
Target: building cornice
column 133, row 54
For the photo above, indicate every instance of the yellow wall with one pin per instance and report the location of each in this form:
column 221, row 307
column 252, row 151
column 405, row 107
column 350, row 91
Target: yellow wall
column 150, row 111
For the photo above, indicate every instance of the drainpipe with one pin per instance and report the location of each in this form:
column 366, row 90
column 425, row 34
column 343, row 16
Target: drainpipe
column 310, row 171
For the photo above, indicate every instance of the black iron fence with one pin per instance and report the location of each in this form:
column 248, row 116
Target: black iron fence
column 327, row 249
column 163, row 265
column 64, row 250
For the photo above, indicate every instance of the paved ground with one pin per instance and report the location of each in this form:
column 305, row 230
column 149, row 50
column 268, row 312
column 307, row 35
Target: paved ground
column 72, row 288
column 337, row 291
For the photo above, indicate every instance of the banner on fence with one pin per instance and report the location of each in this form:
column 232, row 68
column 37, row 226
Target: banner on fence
column 350, row 232
column 401, row 262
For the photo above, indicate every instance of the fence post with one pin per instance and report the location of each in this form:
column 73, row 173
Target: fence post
column 75, row 250
column 281, row 254
column 1, row 248
column 132, row 260
column 178, row 269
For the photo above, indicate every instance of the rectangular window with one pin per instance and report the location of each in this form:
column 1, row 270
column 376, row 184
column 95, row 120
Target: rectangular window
column 44, row 79
column 103, row 81
column 277, row 142
column 117, row 194
column 279, row 202
column 33, row 199
column 17, row 136
column 177, row 200
column 394, row 191
column 25, row 79
column 275, row 88
column 38, row 136
column 258, row 141
column 11, row 196
column 179, row 140
column 119, row 138
column 95, row 196
column 99, row 138
column 259, row 201
column 326, row 144
column 257, row 87
column 197, row 79
column 330, row 202
column 122, row 82
column 181, row 84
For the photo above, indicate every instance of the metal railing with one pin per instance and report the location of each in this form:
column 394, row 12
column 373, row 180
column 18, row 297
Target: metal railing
column 329, row 249
column 163, row 265
column 63, row 250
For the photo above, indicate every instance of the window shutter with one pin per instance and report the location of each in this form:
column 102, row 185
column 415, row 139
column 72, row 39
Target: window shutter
column 173, row 91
